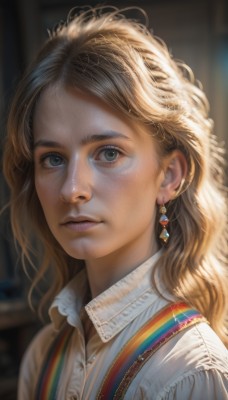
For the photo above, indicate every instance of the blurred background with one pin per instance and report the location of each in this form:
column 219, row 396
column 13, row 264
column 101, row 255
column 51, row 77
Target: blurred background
column 195, row 31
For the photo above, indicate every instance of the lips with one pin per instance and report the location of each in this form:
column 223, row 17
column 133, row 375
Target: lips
column 80, row 223
column 79, row 219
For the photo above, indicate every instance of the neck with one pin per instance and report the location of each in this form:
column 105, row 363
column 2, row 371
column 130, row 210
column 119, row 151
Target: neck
column 106, row 271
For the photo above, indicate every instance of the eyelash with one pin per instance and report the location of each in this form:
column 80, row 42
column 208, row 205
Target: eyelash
column 109, row 148
column 44, row 158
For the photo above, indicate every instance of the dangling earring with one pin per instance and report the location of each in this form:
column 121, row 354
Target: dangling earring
column 163, row 221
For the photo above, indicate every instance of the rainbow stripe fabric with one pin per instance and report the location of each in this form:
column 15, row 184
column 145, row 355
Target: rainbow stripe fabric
column 52, row 367
column 131, row 358
column 166, row 323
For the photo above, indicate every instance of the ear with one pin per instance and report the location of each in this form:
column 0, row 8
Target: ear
column 175, row 169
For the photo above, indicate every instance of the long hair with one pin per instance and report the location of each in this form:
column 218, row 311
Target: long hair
column 121, row 62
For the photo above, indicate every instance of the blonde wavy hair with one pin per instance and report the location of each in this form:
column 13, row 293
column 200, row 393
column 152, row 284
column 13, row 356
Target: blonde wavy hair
column 120, row 61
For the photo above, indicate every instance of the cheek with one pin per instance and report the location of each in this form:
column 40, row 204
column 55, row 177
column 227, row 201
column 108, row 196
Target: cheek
column 143, row 178
column 45, row 192
column 131, row 190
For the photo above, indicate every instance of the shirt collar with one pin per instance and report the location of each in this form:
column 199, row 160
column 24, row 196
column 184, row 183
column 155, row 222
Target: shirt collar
column 68, row 304
column 112, row 310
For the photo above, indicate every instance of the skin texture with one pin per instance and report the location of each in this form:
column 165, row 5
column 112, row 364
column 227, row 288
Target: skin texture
column 99, row 178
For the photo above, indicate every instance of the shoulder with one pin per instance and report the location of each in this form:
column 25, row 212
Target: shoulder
column 200, row 347
column 32, row 361
column 192, row 365
column 40, row 341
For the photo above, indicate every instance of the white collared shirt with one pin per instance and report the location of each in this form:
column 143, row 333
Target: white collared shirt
column 192, row 365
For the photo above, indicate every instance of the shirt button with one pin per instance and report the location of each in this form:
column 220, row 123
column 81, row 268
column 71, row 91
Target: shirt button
column 91, row 360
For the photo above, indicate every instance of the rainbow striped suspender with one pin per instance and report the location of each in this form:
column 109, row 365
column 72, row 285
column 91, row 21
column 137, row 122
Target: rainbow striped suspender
column 150, row 337
column 52, row 366
column 165, row 324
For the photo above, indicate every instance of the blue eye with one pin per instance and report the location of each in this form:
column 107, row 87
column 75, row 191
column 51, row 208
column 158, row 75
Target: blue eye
column 52, row 160
column 55, row 160
column 111, row 154
column 108, row 155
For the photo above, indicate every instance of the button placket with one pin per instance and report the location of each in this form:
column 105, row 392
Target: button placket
column 90, row 361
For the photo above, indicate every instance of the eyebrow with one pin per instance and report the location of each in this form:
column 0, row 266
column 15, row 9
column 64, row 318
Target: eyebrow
column 87, row 140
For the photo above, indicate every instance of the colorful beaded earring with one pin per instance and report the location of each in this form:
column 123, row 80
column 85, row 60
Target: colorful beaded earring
column 163, row 221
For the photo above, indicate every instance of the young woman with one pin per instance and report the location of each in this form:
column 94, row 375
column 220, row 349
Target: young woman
column 116, row 180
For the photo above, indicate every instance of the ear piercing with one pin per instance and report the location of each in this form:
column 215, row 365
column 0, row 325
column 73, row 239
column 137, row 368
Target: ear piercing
column 163, row 221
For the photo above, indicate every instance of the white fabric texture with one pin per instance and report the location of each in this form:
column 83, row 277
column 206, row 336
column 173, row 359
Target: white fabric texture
column 193, row 365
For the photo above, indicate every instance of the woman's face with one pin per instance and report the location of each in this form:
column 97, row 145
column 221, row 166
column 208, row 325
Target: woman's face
column 97, row 177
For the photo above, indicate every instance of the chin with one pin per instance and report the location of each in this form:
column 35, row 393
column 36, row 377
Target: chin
column 83, row 252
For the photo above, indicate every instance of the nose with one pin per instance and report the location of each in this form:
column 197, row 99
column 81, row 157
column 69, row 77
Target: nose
column 76, row 185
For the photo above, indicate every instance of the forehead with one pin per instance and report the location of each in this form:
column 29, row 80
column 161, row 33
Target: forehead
column 63, row 111
column 57, row 102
